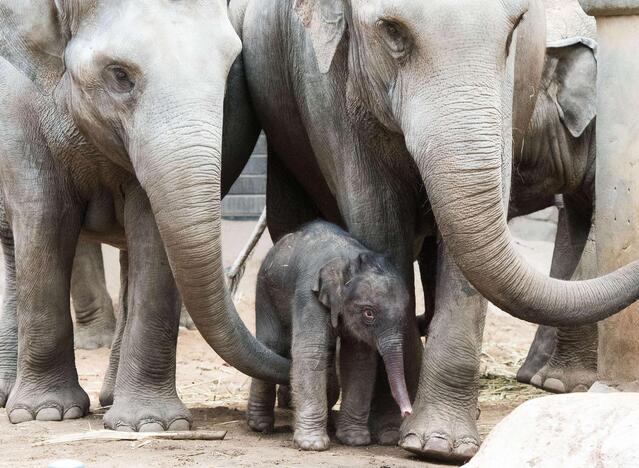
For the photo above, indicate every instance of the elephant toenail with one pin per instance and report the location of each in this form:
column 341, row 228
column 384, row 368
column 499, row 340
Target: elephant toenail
column 151, row 427
column 49, row 414
column 536, row 380
column 20, row 415
column 412, row 443
column 466, row 449
column 437, row 447
column 554, row 385
column 124, row 428
column 180, row 425
column 74, row 412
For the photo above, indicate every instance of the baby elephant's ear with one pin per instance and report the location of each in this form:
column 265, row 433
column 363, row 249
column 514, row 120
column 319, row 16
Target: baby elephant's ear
column 329, row 286
column 325, row 24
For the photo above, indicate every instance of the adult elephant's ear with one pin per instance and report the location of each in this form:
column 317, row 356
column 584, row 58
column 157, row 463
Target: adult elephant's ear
column 33, row 36
column 575, row 73
column 324, row 21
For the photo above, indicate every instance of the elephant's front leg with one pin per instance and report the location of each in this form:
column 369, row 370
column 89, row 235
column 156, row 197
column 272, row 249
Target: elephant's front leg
column 46, row 386
column 358, row 367
column 145, row 398
column 94, row 318
column 444, row 420
column 312, row 361
column 8, row 319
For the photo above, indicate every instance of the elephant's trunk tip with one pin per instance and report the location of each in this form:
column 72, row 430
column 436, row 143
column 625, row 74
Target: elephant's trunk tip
column 394, row 363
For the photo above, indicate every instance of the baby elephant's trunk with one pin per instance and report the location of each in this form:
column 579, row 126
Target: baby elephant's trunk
column 392, row 352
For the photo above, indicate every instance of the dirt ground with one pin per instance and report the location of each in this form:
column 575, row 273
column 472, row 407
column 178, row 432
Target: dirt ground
column 216, row 395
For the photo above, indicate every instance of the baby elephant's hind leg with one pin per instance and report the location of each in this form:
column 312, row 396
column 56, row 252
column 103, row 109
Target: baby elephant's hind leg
column 260, row 411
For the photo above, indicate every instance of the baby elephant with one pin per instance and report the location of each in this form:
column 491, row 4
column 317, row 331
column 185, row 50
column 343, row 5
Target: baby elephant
column 315, row 285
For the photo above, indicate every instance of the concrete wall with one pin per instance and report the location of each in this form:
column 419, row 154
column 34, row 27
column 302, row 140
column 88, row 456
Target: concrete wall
column 247, row 197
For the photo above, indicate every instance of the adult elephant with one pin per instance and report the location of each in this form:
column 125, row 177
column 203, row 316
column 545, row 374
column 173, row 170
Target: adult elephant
column 558, row 163
column 394, row 118
column 111, row 127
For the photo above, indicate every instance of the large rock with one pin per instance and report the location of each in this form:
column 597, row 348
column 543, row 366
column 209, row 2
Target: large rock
column 575, row 430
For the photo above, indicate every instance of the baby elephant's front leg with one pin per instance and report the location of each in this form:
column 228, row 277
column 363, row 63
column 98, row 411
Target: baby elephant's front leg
column 311, row 360
column 358, row 367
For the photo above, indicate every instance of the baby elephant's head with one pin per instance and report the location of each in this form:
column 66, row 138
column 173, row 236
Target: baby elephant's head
column 368, row 300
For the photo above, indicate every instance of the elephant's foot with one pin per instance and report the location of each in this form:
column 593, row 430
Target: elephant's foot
column 384, row 424
column 106, row 392
column 437, row 433
column 95, row 334
column 153, row 414
column 559, row 379
column 573, row 364
column 539, row 353
column 6, row 384
column 64, row 400
column 185, row 320
column 315, row 440
column 353, row 435
column 260, row 418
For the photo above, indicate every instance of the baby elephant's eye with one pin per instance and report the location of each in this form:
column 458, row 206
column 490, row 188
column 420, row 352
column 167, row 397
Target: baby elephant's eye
column 368, row 314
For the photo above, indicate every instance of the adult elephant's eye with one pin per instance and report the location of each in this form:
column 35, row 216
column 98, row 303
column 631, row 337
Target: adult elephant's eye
column 395, row 36
column 118, row 79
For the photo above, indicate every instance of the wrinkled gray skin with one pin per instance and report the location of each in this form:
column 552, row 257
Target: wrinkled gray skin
column 94, row 318
column 315, row 285
column 559, row 159
column 121, row 143
column 394, row 119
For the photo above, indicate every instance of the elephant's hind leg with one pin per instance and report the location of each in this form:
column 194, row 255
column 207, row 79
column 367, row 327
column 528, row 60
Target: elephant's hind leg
column 46, row 233
column 145, row 397
column 108, row 386
column 8, row 319
column 565, row 360
column 94, row 318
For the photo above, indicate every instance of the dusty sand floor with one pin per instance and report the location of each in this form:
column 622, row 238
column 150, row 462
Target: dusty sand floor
column 216, row 395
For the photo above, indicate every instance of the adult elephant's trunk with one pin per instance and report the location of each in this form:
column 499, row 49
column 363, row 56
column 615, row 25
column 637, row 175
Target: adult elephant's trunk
column 391, row 349
column 179, row 168
column 460, row 160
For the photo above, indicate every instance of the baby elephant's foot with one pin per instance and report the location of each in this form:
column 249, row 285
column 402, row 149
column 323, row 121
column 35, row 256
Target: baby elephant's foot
column 384, row 426
column 155, row 414
column 311, row 440
column 440, row 436
column 260, row 419
column 354, row 436
column 66, row 401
